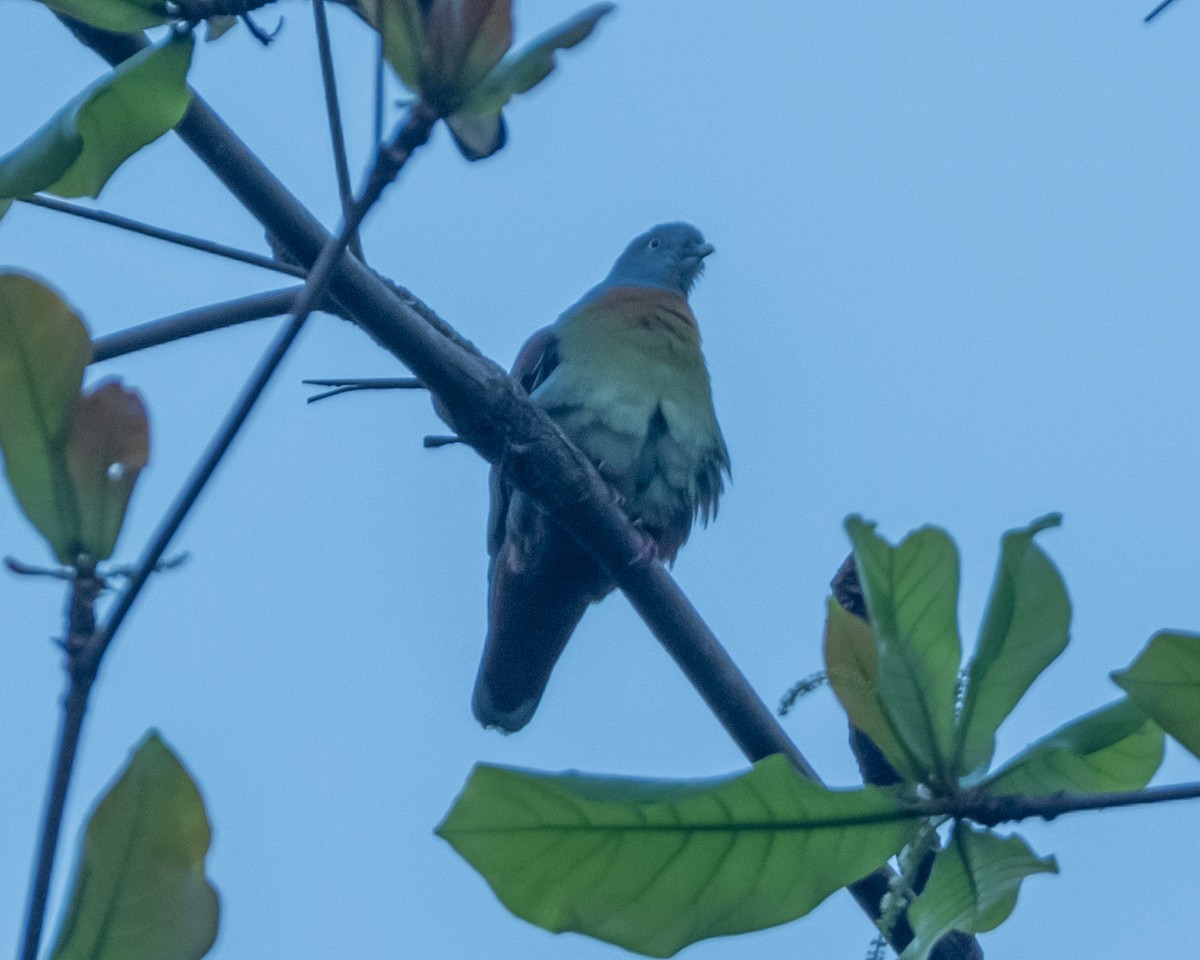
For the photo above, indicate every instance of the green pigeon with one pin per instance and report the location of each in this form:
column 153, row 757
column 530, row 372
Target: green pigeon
column 622, row 374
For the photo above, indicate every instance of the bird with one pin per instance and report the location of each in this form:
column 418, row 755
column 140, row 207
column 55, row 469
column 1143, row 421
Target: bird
column 622, row 374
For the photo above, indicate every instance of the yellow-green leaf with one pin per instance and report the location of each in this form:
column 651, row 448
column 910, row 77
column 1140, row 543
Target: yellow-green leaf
column 108, row 446
column 140, row 891
column 1165, row 682
column 656, row 865
column 478, row 126
column 852, row 665
column 1115, row 748
column 44, row 348
column 529, row 66
column 76, row 152
column 972, row 887
column 911, row 592
column 1024, row 630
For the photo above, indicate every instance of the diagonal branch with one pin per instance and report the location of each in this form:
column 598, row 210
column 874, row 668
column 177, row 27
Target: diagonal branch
column 491, row 413
column 216, row 316
column 159, row 233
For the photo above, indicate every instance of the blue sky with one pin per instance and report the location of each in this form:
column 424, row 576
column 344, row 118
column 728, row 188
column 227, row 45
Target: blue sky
column 956, row 282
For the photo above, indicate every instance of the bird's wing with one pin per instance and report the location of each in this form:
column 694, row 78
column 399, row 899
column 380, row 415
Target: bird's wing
column 534, row 362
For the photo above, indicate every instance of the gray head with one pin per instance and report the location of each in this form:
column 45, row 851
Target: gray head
column 670, row 256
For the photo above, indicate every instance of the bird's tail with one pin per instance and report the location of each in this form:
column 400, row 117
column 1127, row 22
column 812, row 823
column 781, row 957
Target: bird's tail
column 533, row 613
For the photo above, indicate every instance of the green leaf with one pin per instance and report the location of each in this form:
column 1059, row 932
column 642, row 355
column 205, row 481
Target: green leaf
column 120, row 16
column 524, row 70
column 1165, row 682
column 44, row 348
column 656, row 865
column 1024, row 630
column 852, row 665
column 76, row 152
column 140, row 891
column 1114, row 748
column 478, row 126
column 911, row 592
column 972, row 887
column 108, row 446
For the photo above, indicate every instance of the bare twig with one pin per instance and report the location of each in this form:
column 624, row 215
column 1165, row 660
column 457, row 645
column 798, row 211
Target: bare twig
column 435, row 440
column 1157, row 10
column 366, row 383
column 334, row 113
column 170, row 236
column 191, row 322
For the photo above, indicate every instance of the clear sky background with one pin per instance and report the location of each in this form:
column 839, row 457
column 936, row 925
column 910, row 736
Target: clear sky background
column 956, row 282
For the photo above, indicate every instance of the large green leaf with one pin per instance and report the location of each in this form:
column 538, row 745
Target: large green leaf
column 478, row 126
column 1165, row 682
column 76, row 152
column 1115, row 748
column 1024, row 630
column 108, row 446
column 654, row 865
column 972, row 887
column 912, row 592
column 140, row 891
column 120, row 16
column 852, row 665
column 43, row 351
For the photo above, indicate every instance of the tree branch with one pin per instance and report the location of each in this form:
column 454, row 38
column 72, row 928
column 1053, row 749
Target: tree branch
column 334, row 114
column 170, row 236
column 191, row 322
column 1157, row 10
column 491, row 413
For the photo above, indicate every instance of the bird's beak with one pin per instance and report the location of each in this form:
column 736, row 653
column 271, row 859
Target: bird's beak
column 704, row 249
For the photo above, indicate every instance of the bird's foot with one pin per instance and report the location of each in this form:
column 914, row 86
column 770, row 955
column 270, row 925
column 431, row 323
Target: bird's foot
column 647, row 547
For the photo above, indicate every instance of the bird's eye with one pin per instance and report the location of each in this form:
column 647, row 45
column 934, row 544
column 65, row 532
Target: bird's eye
column 654, row 244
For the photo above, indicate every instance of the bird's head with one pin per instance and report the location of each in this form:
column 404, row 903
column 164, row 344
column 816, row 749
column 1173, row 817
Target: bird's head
column 670, row 256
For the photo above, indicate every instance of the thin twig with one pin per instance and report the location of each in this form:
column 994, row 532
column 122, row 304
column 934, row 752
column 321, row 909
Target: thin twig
column 170, row 236
column 81, row 624
column 1157, row 10
column 380, row 76
column 414, row 132
column 334, row 113
column 368, row 383
column 191, row 322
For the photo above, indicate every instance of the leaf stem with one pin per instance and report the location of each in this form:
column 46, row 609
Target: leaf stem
column 170, row 236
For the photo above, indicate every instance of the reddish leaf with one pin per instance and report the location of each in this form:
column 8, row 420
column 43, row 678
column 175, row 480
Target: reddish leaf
column 108, row 446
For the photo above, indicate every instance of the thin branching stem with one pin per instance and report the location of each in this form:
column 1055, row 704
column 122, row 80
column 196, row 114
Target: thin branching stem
column 366, row 383
column 215, row 316
column 170, row 236
column 86, row 644
column 380, row 77
column 334, row 113
column 81, row 625
column 1157, row 10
